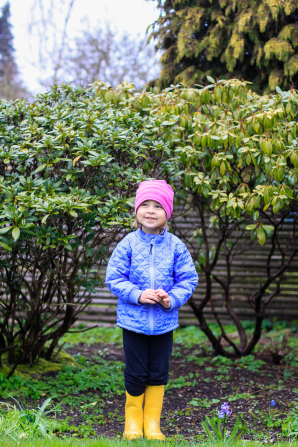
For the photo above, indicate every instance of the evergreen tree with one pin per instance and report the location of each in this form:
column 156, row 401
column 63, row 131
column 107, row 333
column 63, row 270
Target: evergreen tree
column 254, row 40
column 10, row 85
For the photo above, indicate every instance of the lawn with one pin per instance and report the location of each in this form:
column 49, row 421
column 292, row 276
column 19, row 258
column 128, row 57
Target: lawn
column 99, row 442
column 87, row 390
column 104, row 442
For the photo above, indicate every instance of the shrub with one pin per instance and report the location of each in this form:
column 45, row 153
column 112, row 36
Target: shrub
column 239, row 154
column 69, row 166
column 70, row 163
column 234, row 163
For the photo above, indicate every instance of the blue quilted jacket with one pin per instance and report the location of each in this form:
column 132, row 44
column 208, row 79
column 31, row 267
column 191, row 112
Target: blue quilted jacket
column 140, row 262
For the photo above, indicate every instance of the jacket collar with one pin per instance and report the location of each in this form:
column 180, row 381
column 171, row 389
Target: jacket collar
column 146, row 237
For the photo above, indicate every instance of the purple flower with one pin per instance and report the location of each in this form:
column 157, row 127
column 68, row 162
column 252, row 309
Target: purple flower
column 272, row 403
column 221, row 414
column 225, row 407
column 229, row 413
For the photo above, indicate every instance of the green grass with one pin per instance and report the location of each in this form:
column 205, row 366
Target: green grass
column 187, row 337
column 105, row 442
column 106, row 335
column 99, row 442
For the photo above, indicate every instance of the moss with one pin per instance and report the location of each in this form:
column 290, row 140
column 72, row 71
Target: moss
column 41, row 367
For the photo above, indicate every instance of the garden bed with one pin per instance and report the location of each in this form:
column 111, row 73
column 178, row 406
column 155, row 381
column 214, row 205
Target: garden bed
column 91, row 394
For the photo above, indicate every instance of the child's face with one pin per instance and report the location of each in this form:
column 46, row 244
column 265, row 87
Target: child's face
column 151, row 216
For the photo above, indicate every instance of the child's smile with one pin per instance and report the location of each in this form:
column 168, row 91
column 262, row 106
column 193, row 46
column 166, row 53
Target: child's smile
column 151, row 216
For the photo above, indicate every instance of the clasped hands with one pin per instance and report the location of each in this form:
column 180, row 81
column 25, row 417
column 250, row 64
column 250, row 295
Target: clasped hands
column 150, row 296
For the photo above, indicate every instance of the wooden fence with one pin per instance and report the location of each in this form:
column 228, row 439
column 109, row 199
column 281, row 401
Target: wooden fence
column 248, row 272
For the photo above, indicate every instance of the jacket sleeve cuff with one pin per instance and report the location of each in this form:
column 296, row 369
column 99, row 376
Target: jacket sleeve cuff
column 173, row 303
column 134, row 296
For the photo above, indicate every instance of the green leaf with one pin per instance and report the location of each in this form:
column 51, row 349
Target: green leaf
column 44, row 219
column 5, row 230
column 268, row 227
column 194, row 402
column 222, row 168
column 88, row 250
column 40, row 168
column 261, row 235
column 5, row 246
column 131, row 201
column 41, row 119
column 89, row 288
column 16, row 233
column 90, row 237
column 210, row 79
column 217, row 431
column 25, row 230
column 234, row 431
column 202, row 258
column 44, row 405
column 197, row 402
column 208, row 432
column 251, row 227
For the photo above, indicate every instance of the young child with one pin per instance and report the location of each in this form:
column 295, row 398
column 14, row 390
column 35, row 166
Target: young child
column 152, row 274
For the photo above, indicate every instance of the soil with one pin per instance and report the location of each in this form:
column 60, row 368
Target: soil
column 179, row 417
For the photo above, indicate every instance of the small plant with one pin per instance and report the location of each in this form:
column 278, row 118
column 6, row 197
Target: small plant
column 182, row 381
column 219, row 427
column 290, row 424
column 24, row 422
column 250, row 363
column 203, row 403
column 270, row 419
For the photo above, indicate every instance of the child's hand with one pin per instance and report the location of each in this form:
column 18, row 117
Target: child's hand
column 149, row 296
column 165, row 299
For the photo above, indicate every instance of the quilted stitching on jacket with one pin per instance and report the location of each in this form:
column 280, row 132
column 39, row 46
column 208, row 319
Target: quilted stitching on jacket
column 129, row 274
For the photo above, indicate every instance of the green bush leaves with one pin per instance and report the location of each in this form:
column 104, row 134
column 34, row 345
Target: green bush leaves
column 70, row 163
column 236, row 149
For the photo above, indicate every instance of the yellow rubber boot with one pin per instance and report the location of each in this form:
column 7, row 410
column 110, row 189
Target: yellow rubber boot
column 152, row 411
column 134, row 417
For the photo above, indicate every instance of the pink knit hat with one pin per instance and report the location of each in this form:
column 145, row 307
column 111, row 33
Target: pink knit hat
column 157, row 190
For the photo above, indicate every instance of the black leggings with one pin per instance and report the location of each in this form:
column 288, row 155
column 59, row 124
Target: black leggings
column 146, row 360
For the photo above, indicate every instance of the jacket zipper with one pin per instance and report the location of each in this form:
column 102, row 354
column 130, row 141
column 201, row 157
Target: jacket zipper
column 151, row 271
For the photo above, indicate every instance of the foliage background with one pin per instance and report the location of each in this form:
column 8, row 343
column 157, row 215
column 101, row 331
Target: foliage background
column 256, row 41
column 234, row 164
column 71, row 162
